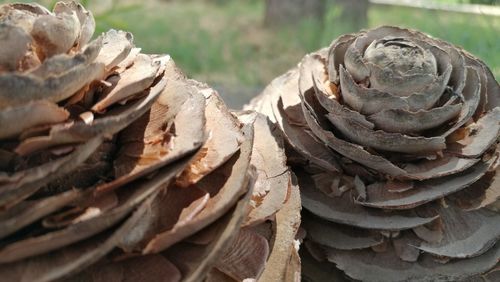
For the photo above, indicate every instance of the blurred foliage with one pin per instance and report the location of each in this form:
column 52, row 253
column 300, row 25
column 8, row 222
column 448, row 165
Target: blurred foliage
column 482, row 2
column 103, row 10
column 225, row 43
column 485, row 2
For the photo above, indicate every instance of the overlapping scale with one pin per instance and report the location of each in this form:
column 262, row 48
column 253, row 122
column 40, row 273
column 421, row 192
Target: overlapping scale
column 116, row 167
column 410, row 123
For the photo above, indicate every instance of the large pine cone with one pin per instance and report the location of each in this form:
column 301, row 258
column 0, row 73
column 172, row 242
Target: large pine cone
column 115, row 167
column 394, row 138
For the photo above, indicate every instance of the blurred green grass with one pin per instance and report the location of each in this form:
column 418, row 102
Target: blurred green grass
column 226, row 44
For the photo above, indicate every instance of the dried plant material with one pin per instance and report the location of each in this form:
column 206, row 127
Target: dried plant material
column 294, row 267
column 273, row 254
column 67, row 261
column 14, row 46
column 225, row 188
column 411, row 125
column 483, row 193
column 30, row 211
column 340, row 236
column 152, row 268
column 446, row 165
column 24, row 183
column 37, row 267
column 466, row 234
column 216, row 275
column 61, row 63
column 78, row 131
column 300, row 141
column 133, row 80
column 117, row 45
column 398, row 120
column 405, row 247
column 431, row 233
column 224, row 140
column 17, row 119
column 344, row 210
column 273, row 177
column 361, row 264
column 17, row 89
column 283, row 263
column 314, row 270
column 492, row 275
column 171, row 130
column 87, row 209
column 55, row 34
column 120, row 168
column 246, row 258
column 425, row 191
column 195, row 261
column 91, row 226
column 482, row 135
column 85, row 18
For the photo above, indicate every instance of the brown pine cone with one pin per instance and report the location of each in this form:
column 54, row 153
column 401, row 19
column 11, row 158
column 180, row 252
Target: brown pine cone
column 116, row 167
column 394, row 137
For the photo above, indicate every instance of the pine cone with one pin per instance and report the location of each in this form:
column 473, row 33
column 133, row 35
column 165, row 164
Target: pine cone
column 116, row 167
column 394, row 137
